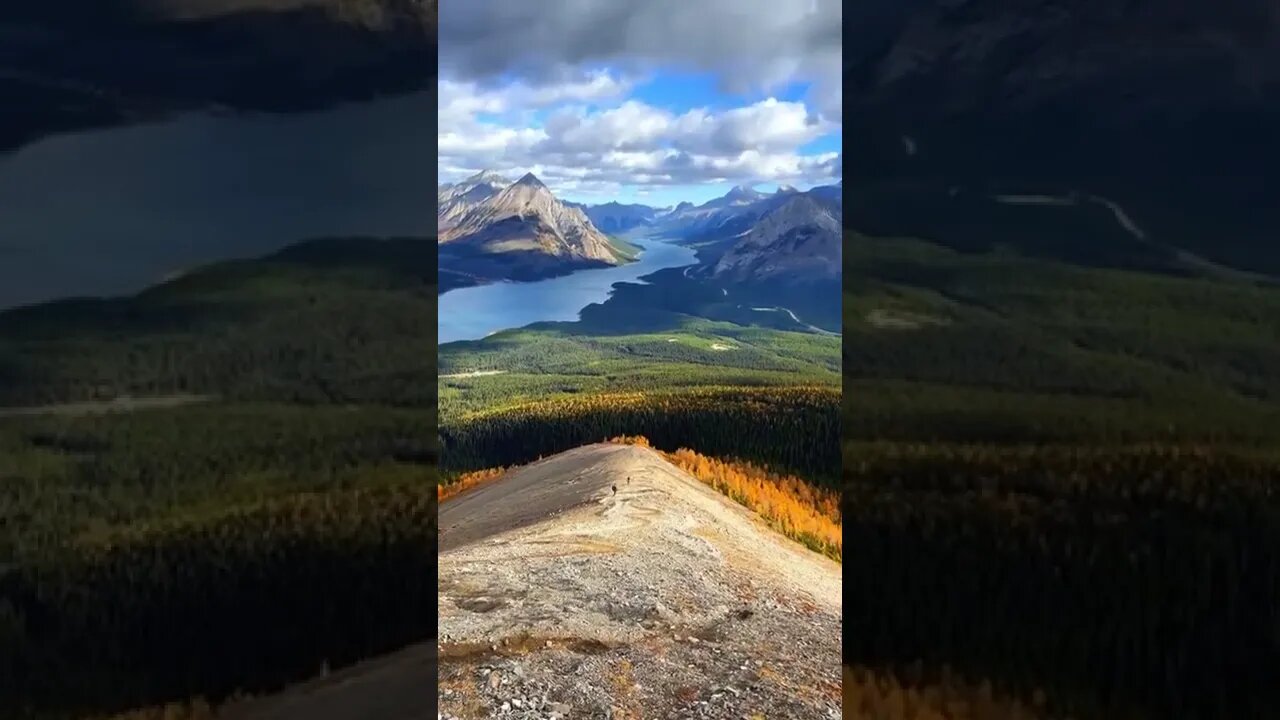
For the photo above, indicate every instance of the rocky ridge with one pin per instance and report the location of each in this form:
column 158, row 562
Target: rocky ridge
column 455, row 200
column 798, row 240
column 563, row 599
column 1170, row 108
column 526, row 217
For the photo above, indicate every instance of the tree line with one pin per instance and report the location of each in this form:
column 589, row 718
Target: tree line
column 911, row 694
column 246, row 599
column 330, row 321
column 271, row 539
column 1142, row 579
column 788, row 429
column 804, row 512
column 62, row 477
column 907, row 411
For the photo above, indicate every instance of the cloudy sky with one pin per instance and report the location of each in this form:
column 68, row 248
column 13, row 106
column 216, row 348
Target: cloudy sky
column 652, row 101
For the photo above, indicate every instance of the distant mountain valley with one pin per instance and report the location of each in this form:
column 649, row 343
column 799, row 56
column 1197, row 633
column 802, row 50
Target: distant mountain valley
column 493, row 229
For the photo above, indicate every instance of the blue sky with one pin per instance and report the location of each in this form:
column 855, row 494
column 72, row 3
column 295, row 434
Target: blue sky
column 683, row 91
column 673, row 108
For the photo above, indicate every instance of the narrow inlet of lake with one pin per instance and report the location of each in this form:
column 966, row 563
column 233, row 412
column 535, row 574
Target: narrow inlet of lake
column 473, row 313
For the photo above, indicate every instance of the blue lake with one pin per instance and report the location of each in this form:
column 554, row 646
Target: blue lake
column 113, row 211
column 474, row 312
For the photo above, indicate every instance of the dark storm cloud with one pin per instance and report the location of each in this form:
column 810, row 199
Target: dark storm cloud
column 750, row 44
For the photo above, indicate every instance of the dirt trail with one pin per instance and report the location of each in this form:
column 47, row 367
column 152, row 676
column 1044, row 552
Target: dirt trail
column 562, row 598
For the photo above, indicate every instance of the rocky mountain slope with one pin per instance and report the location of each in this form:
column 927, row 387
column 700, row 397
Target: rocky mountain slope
column 74, row 64
column 525, row 217
column 798, row 241
column 731, row 213
column 455, row 200
column 562, row 599
column 1169, row 108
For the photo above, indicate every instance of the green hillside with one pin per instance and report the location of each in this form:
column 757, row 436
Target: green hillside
column 242, row 460
column 343, row 320
column 996, row 346
column 679, row 361
column 1062, row 478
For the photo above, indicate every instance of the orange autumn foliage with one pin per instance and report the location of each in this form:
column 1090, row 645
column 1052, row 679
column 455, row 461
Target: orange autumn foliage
column 792, row 506
column 871, row 694
column 466, row 481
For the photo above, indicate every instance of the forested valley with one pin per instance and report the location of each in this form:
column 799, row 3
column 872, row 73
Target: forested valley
column 279, row 515
column 794, row 429
column 1059, row 480
column 1061, row 487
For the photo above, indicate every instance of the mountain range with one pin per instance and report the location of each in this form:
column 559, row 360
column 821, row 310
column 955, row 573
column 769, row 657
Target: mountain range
column 615, row 217
column 798, row 240
column 731, row 213
column 1168, row 108
column 490, row 227
column 78, row 64
column 788, row 236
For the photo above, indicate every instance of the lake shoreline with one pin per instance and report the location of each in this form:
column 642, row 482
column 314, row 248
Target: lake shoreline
column 472, row 278
column 260, row 186
column 477, row 311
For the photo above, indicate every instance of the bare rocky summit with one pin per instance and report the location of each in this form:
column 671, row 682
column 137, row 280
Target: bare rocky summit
column 455, row 200
column 562, row 599
column 524, row 217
